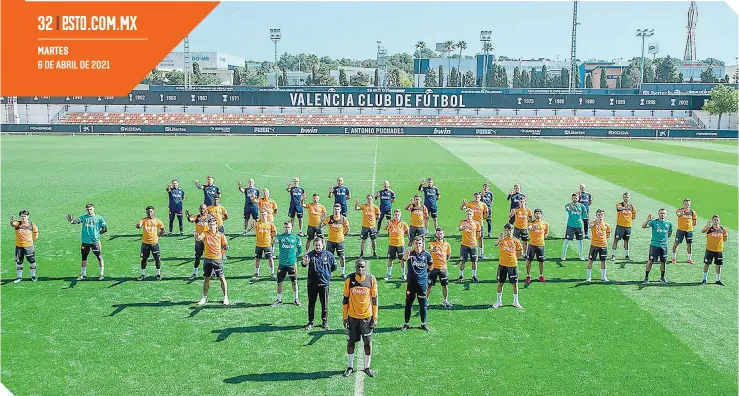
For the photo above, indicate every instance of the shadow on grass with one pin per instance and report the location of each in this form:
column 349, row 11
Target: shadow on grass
column 261, row 328
column 116, row 236
column 318, row 334
column 286, row 376
column 120, row 307
column 197, row 309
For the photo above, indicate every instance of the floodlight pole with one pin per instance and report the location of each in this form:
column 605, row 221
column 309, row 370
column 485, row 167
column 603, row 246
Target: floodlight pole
column 643, row 33
column 275, row 35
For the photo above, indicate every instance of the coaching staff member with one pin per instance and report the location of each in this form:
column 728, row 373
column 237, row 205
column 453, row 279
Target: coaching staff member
column 320, row 264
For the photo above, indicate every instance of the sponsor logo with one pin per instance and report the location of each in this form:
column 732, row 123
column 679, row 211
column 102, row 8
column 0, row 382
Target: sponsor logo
column 536, row 132
column 175, row 129
column 264, row 130
column 486, row 131
column 308, row 130
column 706, row 134
column 442, row 131
column 131, row 129
column 40, row 128
column 360, row 291
column 618, row 133
column 226, row 129
column 571, row 132
column 663, row 133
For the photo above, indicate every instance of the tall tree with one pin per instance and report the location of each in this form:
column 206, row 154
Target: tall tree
column 487, row 48
column 448, row 48
column 421, row 45
column 564, row 78
column 174, row 77
column 502, row 77
column 666, row 71
column 453, row 80
column 394, row 78
column 155, row 77
column 544, row 80
column 377, row 77
column 343, row 81
column 633, row 78
column 441, row 76
column 707, row 75
column 431, row 80
column 462, row 45
column 359, row 80
column 469, row 79
column 724, row 99
column 588, row 81
column 603, row 83
column 534, row 78
column 624, row 78
column 237, row 76
column 680, row 78
column 516, row 77
column 525, row 79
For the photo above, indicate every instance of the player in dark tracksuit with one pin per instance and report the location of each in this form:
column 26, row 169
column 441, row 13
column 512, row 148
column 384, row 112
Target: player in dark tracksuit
column 586, row 199
column 340, row 193
column 515, row 197
column 176, row 196
column 430, row 196
column 386, row 197
column 419, row 262
column 487, row 197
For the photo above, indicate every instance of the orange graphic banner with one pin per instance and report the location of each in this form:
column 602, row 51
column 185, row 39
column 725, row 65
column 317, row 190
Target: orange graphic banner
column 88, row 48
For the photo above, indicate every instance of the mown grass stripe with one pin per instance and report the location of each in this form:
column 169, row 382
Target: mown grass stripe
column 711, row 145
column 718, row 172
column 684, row 151
column 542, row 179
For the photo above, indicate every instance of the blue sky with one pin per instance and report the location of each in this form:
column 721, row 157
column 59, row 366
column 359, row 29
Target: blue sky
column 520, row 29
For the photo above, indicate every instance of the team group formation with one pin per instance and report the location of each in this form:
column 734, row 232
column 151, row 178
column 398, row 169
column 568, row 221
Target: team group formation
column 524, row 235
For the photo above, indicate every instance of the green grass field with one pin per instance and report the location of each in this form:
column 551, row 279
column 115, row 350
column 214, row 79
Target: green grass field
column 120, row 336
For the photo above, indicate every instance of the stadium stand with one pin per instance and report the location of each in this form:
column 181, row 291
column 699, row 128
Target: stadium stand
column 378, row 120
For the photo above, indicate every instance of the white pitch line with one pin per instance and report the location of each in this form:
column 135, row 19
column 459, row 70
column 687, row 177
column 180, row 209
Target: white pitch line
column 374, row 166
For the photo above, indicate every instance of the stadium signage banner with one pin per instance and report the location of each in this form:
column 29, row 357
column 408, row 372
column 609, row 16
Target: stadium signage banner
column 426, row 99
column 363, row 130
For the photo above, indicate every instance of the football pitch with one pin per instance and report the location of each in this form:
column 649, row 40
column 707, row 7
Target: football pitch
column 122, row 336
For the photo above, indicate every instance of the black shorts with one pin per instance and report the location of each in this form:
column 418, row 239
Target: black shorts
column 658, row 254
column 199, row 248
column 433, row 211
column 510, row 272
column 413, row 232
column 416, row 288
column 574, row 233
column 177, row 212
column 213, row 268
column 536, row 252
column 286, row 271
column 27, row 252
column 221, row 229
column 595, row 251
column 335, row 248
column 713, row 258
column 343, row 208
column 686, row 235
column 147, row 249
column 395, row 251
column 467, row 251
column 441, row 274
column 265, row 252
column 359, row 329
column 386, row 213
column 369, row 232
column 521, row 233
column 295, row 210
column 87, row 247
column 622, row 233
column 251, row 211
column 314, row 232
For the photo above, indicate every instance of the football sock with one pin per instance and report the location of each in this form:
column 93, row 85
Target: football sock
column 662, row 274
column 342, row 270
column 646, row 274
column 195, row 271
column 279, row 296
column 33, row 272
column 19, row 272
column 350, row 360
column 589, row 271
column 461, row 273
column 564, row 248
column 102, row 270
column 579, row 247
column 613, row 252
column 389, row 270
column 515, row 298
column 718, row 277
column 690, row 256
column 500, row 298
column 143, row 272
column 603, row 273
column 256, row 270
column 627, row 252
column 402, row 270
column 367, row 360
column 84, row 271
column 705, row 276
column 474, row 273
column 159, row 271
column 295, row 295
column 674, row 255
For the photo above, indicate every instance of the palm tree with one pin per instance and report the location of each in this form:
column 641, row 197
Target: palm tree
column 448, row 48
column 487, row 47
column 420, row 46
column 462, row 45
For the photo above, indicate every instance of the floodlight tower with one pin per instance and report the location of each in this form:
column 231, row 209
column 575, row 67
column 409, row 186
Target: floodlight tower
column 573, row 50
column 485, row 36
column 381, row 66
column 188, row 68
column 690, row 48
column 643, row 33
column 275, row 35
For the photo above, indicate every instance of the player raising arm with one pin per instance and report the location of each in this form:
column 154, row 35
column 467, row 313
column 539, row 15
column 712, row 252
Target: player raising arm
column 441, row 251
column 176, row 198
column 297, row 199
column 359, row 309
column 215, row 247
column 479, row 213
column 430, row 196
column 92, row 227
column 488, row 198
column 290, row 248
column 397, row 229
column 251, row 206
column 661, row 231
column 419, row 219
column 153, row 228
column 370, row 215
column 538, row 232
column 625, row 215
column 686, row 220
column 387, row 198
column 510, row 249
column 210, row 190
column 716, row 235
column 599, row 245
column 419, row 261
column 201, row 221
column 26, row 233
